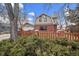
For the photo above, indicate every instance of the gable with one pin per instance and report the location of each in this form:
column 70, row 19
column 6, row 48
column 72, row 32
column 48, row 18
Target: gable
column 43, row 19
column 27, row 25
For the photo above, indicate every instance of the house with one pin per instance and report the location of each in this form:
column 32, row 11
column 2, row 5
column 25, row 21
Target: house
column 45, row 23
column 4, row 24
column 27, row 27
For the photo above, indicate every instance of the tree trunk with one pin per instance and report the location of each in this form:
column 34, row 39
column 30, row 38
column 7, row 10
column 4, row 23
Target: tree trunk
column 13, row 16
column 16, row 13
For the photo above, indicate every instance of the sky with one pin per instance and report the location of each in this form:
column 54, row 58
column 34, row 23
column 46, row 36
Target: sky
column 33, row 10
column 39, row 8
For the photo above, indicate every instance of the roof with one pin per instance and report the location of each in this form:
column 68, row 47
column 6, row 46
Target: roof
column 49, row 20
column 27, row 27
column 42, row 14
column 27, row 24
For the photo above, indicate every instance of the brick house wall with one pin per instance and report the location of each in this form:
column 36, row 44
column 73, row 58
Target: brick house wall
column 52, row 28
column 49, row 28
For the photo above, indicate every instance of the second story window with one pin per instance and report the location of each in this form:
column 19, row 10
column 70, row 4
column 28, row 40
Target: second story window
column 40, row 20
column 45, row 20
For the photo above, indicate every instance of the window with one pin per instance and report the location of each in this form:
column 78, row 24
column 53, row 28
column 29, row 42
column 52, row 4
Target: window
column 44, row 16
column 43, row 27
column 45, row 19
column 40, row 20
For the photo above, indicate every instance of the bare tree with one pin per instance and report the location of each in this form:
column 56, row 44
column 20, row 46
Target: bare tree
column 13, row 16
column 74, row 18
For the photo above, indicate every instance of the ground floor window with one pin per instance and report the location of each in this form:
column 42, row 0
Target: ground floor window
column 43, row 27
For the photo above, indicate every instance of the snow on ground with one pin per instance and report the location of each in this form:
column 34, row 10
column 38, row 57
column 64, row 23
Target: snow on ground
column 4, row 36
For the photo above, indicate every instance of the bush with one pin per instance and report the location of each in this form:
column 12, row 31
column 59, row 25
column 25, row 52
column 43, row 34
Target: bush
column 34, row 46
column 61, row 41
column 17, row 50
column 5, row 45
column 74, row 45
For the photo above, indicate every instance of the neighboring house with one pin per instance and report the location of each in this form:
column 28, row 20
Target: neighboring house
column 4, row 24
column 27, row 27
column 45, row 23
column 4, row 19
column 4, row 27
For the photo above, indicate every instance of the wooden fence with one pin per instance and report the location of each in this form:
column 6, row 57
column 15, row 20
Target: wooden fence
column 52, row 35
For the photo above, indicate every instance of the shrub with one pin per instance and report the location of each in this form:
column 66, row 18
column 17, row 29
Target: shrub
column 17, row 50
column 61, row 41
column 74, row 45
column 34, row 46
column 5, row 45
